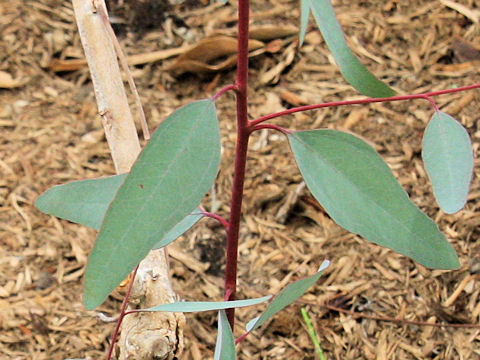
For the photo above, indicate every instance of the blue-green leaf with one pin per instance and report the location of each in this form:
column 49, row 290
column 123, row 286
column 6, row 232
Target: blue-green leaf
column 350, row 67
column 197, row 306
column 179, row 229
column 360, row 193
column 169, row 179
column 84, row 202
column 448, row 157
column 287, row 296
column 304, row 14
column 225, row 346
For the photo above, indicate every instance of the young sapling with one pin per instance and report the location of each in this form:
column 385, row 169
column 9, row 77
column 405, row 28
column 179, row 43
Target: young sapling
column 158, row 200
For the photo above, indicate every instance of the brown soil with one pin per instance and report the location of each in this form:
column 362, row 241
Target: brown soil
column 51, row 133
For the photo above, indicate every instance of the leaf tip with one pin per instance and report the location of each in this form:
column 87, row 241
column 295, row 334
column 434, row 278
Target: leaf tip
column 251, row 324
column 325, row 264
column 452, row 208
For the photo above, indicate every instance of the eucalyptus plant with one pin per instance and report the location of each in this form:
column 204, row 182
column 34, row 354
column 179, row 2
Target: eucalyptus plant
column 158, row 200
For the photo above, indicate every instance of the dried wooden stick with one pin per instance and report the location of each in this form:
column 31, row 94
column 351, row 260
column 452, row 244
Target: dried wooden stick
column 146, row 335
column 123, row 62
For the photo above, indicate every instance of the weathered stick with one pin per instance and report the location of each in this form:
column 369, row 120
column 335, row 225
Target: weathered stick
column 144, row 335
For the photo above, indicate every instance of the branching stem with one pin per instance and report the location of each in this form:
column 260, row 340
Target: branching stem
column 427, row 96
column 270, row 126
column 217, row 217
column 244, row 130
column 223, row 91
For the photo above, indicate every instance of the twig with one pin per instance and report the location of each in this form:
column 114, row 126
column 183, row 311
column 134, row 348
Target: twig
column 153, row 285
column 123, row 311
column 223, row 91
column 217, row 217
column 426, row 96
column 123, row 62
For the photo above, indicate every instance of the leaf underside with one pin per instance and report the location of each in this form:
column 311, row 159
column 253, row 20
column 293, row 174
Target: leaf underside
column 197, row 306
column 448, row 157
column 352, row 70
column 168, row 180
column 360, row 193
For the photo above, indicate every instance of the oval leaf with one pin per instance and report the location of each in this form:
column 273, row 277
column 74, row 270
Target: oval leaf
column 287, row 296
column 84, row 202
column 360, row 193
column 197, row 306
column 350, row 67
column 225, row 346
column 168, row 180
column 448, row 157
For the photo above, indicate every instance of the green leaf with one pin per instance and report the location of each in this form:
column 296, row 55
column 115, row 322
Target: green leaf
column 225, row 346
column 179, row 229
column 304, row 14
column 197, row 306
column 360, row 193
column 169, row 179
column 448, row 157
column 350, row 67
column 287, row 296
column 84, row 202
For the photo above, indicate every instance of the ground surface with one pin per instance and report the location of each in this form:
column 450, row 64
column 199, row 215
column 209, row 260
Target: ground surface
column 51, row 133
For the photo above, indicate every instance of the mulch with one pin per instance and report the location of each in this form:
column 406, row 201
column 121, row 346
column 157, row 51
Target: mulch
column 371, row 303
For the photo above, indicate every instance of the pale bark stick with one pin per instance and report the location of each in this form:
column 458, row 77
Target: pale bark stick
column 143, row 335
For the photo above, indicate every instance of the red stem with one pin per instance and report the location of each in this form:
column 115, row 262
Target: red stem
column 241, row 338
column 122, row 315
column 270, row 126
column 217, row 217
column 427, row 96
column 223, row 91
column 243, row 134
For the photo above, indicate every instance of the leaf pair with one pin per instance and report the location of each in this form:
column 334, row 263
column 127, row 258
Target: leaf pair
column 151, row 205
column 225, row 347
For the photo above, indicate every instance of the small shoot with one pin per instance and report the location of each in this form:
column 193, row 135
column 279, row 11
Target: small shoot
column 313, row 335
